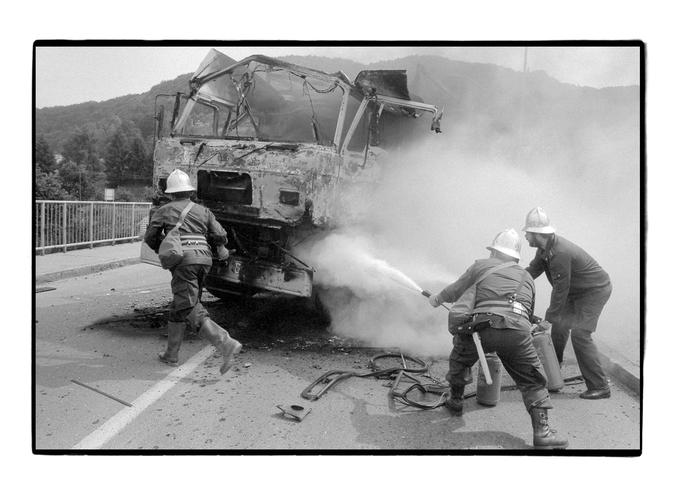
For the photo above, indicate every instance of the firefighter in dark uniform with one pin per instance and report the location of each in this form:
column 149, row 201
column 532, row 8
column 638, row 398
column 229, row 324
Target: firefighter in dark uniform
column 200, row 233
column 503, row 308
column 580, row 289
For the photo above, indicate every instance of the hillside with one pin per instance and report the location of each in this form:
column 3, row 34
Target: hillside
column 485, row 106
column 56, row 124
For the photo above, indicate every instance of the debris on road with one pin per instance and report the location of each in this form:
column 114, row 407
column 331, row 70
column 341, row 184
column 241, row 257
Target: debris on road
column 102, row 392
column 297, row 412
column 139, row 318
column 329, row 379
column 44, row 289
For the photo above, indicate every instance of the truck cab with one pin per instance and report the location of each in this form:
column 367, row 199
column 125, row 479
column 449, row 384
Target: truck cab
column 279, row 153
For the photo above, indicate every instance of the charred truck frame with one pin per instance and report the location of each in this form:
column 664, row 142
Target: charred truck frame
column 277, row 152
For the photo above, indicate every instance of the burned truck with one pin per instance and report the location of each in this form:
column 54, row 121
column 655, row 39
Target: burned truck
column 277, row 151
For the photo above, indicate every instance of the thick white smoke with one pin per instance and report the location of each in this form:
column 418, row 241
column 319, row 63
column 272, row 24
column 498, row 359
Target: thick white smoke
column 441, row 204
column 375, row 300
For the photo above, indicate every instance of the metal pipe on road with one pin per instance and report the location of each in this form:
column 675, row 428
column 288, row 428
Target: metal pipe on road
column 103, row 393
column 115, row 425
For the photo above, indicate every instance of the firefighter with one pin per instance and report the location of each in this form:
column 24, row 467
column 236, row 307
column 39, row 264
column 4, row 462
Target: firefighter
column 580, row 289
column 503, row 307
column 199, row 233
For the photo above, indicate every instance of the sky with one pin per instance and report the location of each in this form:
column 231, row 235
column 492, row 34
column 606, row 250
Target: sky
column 68, row 75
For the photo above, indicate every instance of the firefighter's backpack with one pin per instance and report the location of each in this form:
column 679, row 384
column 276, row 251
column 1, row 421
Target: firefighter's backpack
column 170, row 251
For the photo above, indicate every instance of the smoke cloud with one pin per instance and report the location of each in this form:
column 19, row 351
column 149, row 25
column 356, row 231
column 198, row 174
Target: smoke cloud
column 441, row 203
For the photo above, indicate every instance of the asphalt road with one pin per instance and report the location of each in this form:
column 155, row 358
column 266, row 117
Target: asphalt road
column 104, row 330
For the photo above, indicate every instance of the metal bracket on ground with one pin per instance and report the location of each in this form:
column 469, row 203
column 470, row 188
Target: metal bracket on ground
column 297, row 412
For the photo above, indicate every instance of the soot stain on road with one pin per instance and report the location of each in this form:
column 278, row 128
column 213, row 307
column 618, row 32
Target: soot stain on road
column 260, row 323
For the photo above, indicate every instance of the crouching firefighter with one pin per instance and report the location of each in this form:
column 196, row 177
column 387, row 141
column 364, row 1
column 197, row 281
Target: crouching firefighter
column 503, row 307
column 199, row 234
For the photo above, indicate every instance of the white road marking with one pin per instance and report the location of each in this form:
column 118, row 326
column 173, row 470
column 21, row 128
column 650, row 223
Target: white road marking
column 113, row 426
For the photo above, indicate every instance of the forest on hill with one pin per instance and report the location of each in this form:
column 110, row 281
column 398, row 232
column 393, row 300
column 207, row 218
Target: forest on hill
column 487, row 109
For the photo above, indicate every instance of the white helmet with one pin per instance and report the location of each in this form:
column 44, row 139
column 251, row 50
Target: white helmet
column 507, row 242
column 178, row 181
column 537, row 221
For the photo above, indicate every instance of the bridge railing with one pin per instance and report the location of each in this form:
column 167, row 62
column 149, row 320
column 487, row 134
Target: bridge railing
column 73, row 224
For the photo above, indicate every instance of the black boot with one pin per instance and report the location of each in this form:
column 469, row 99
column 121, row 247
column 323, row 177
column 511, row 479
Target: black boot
column 544, row 437
column 175, row 336
column 454, row 402
column 221, row 339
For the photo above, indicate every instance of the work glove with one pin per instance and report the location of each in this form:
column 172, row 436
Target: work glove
column 434, row 300
column 544, row 326
column 222, row 253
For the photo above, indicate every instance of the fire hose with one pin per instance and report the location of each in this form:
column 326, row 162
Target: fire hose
column 328, row 380
column 331, row 378
column 425, row 388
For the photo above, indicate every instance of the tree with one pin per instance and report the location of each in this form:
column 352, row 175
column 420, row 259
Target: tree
column 44, row 158
column 127, row 159
column 141, row 165
column 80, row 149
column 76, row 180
column 81, row 172
column 48, row 186
column 116, row 158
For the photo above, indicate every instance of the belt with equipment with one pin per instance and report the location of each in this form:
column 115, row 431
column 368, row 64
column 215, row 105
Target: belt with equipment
column 501, row 307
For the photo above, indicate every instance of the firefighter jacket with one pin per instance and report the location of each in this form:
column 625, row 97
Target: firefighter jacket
column 199, row 232
column 570, row 270
column 508, row 293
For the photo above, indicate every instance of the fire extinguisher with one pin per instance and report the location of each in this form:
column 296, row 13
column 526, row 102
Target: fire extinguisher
column 546, row 354
column 490, row 394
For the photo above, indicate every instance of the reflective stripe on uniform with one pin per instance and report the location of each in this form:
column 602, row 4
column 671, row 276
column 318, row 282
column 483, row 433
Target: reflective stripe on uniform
column 193, row 240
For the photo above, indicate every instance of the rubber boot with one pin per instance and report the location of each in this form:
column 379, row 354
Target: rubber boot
column 544, row 437
column 454, row 402
column 221, row 339
column 175, row 336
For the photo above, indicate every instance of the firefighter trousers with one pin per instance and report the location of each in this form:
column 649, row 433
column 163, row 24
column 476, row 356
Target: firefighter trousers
column 187, row 286
column 516, row 351
column 580, row 320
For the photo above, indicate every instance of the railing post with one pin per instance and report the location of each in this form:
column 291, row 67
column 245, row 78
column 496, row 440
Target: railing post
column 113, row 225
column 91, row 225
column 63, row 224
column 42, row 227
column 133, row 229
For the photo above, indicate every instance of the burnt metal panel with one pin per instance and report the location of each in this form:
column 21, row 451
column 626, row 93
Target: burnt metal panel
column 383, row 82
column 284, row 278
column 223, row 186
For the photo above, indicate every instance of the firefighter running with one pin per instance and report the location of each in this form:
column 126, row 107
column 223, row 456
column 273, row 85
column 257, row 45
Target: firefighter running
column 199, row 233
column 580, row 289
column 502, row 312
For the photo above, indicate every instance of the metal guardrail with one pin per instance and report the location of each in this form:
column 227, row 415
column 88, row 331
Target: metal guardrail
column 70, row 224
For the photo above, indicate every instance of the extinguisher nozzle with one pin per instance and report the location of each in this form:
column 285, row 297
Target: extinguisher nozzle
column 426, row 293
